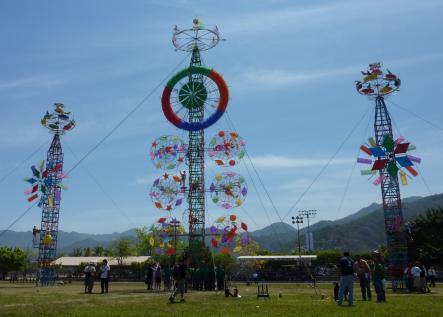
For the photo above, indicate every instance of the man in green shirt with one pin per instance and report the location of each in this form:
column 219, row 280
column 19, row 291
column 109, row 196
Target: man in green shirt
column 379, row 276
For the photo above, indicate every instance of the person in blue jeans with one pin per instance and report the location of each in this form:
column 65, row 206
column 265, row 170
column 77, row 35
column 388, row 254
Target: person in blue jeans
column 346, row 279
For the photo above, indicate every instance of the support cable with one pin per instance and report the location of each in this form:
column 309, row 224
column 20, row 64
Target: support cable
column 231, row 126
column 118, row 125
column 328, row 162
column 4, row 177
column 127, row 116
column 416, row 115
column 99, row 185
column 18, row 218
column 351, row 173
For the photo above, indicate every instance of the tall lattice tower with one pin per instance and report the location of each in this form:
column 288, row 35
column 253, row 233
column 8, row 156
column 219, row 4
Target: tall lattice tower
column 46, row 181
column 194, row 99
column 389, row 157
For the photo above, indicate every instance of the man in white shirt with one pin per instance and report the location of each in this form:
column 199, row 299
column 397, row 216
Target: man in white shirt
column 104, row 276
column 416, row 271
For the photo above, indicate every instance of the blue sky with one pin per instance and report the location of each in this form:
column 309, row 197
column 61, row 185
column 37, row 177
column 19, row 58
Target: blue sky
column 290, row 66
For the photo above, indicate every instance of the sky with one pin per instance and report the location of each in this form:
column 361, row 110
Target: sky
column 290, row 67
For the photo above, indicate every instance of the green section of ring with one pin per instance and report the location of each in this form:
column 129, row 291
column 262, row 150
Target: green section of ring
column 186, row 72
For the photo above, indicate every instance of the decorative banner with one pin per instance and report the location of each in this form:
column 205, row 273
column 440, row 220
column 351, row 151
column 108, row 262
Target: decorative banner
column 228, row 190
column 227, row 148
column 229, row 233
column 166, row 192
column 167, row 152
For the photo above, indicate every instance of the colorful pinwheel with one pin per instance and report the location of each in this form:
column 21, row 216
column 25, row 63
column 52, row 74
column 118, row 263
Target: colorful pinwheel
column 167, row 231
column 228, row 190
column 390, row 155
column 166, row 192
column 226, row 148
column 43, row 179
column 167, row 152
column 229, row 233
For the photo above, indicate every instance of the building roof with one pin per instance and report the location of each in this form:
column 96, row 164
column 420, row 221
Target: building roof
column 296, row 258
column 77, row 260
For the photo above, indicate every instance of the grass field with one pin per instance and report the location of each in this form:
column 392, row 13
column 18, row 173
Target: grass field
column 131, row 299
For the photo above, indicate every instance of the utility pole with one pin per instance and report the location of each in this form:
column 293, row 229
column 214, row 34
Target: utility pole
column 308, row 214
column 298, row 220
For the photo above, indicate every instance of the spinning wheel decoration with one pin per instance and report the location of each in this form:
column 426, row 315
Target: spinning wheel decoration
column 227, row 148
column 59, row 121
column 229, row 233
column 167, row 152
column 167, row 192
column 197, row 37
column 390, row 155
column 40, row 183
column 165, row 235
column 195, row 87
column 228, row 190
column 377, row 83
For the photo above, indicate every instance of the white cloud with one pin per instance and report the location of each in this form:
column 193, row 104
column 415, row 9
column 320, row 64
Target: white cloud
column 30, row 82
column 273, row 78
column 300, row 18
column 275, row 161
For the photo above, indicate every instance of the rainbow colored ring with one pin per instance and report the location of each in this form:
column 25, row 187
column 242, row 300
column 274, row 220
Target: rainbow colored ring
column 195, row 126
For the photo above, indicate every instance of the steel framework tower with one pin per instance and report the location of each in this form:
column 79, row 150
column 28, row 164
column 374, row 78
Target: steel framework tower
column 48, row 180
column 390, row 191
column 194, row 99
column 196, row 162
column 390, row 157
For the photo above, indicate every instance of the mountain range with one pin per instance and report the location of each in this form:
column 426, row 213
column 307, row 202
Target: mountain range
column 360, row 231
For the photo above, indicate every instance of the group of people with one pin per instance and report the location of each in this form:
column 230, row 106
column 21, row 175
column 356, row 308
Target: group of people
column 418, row 278
column 196, row 278
column 154, row 276
column 91, row 273
column 349, row 269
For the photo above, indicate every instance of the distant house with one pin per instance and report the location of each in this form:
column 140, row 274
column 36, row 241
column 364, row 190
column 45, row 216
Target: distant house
column 75, row 261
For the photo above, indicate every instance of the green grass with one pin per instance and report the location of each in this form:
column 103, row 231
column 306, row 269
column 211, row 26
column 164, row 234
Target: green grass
column 131, row 299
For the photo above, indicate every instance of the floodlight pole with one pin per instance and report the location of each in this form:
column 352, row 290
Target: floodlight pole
column 308, row 214
column 298, row 220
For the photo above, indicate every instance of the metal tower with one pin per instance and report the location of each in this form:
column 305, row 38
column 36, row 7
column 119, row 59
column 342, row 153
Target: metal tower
column 390, row 191
column 57, row 122
column 196, row 161
column 390, row 157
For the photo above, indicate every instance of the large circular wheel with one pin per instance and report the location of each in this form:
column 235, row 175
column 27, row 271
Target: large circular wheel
column 195, row 89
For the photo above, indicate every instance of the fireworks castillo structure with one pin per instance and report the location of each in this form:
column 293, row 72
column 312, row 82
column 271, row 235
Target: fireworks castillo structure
column 389, row 160
column 193, row 100
column 46, row 186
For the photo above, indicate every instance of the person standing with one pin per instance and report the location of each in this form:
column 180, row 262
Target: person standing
column 346, row 279
column 363, row 271
column 416, row 272
column 220, row 276
column 379, row 277
column 104, row 276
column 432, row 275
column 167, row 278
column 149, row 277
column 89, row 277
column 158, row 278
column 179, row 275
